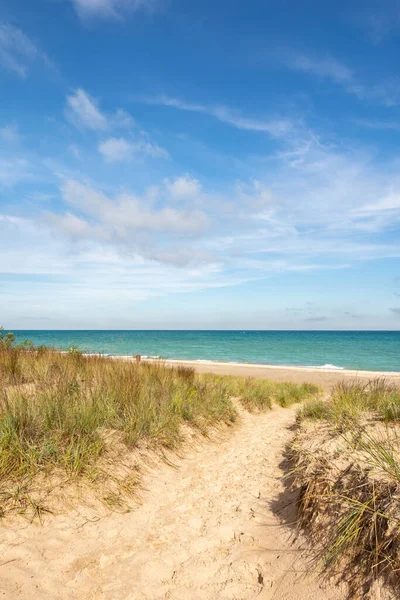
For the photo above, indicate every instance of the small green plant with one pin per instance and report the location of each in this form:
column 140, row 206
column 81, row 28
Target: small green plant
column 74, row 350
column 26, row 345
column 6, row 339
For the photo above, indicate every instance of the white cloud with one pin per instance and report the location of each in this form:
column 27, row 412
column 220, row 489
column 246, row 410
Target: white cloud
column 298, row 208
column 75, row 227
column 94, row 7
column 326, row 67
column 120, row 149
column 184, row 188
column 274, row 127
column 144, row 146
column 390, row 202
column 82, row 110
column 116, row 149
column 17, row 51
column 123, row 119
column 125, row 219
column 108, row 8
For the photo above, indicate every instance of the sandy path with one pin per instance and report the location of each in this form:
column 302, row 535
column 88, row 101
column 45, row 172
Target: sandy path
column 208, row 530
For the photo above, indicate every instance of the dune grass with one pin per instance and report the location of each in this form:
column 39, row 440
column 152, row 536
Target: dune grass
column 350, row 482
column 351, row 399
column 54, row 407
column 58, row 410
column 261, row 394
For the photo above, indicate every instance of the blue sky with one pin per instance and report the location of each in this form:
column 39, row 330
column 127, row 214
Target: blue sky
column 171, row 164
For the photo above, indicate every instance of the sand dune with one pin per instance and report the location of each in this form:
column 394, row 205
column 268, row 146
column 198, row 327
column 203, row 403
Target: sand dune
column 214, row 527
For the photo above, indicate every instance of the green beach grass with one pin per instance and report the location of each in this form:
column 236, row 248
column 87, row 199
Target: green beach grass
column 58, row 411
column 351, row 399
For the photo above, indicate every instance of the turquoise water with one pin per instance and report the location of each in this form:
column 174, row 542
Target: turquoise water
column 366, row 350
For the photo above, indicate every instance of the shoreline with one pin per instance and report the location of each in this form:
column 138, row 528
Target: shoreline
column 233, row 364
column 324, row 377
column 322, row 369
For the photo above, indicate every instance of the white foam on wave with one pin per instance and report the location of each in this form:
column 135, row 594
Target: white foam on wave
column 102, row 354
column 327, row 366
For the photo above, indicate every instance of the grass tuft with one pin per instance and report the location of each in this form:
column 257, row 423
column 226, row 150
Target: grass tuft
column 350, row 399
column 314, row 409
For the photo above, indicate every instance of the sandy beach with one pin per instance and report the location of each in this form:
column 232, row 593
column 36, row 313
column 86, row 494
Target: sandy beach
column 324, row 377
column 217, row 525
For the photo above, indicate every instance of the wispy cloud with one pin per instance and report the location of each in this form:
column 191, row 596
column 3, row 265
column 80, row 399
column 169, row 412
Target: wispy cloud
column 385, row 92
column 83, row 111
column 328, row 68
column 17, row 51
column 274, row 127
column 107, row 9
column 389, row 202
column 120, row 149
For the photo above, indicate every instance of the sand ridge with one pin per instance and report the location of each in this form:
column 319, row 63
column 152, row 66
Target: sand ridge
column 211, row 528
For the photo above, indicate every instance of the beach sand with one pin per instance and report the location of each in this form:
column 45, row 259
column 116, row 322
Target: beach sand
column 219, row 524
column 324, row 377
